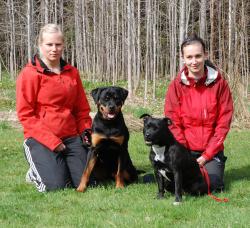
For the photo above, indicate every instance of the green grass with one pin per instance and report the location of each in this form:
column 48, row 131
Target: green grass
column 135, row 206
column 7, row 94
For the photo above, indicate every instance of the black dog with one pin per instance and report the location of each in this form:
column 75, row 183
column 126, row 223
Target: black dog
column 108, row 157
column 174, row 167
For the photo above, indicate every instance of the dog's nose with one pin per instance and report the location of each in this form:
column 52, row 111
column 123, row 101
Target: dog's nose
column 112, row 108
column 147, row 135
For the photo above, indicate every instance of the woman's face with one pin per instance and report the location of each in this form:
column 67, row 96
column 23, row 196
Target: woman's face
column 194, row 58
column 51, row 47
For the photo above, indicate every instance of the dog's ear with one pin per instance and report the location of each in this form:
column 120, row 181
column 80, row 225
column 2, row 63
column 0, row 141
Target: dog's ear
column 95, row 93
column 124, row 93
column 168, row 121
column 144, row 116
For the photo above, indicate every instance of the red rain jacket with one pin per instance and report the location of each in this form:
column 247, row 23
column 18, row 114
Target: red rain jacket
column 201, row 111
column 51, row 106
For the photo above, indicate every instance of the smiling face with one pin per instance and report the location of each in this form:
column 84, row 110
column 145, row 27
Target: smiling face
column 194, row 58
column 51, row 48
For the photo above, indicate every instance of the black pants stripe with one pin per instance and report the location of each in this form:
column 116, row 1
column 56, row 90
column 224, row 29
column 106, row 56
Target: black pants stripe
column 50, row 170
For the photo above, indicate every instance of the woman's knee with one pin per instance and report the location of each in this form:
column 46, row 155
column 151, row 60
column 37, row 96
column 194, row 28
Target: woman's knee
column 56, row 185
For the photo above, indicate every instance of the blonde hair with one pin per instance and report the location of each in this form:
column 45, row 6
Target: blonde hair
column 49, row 28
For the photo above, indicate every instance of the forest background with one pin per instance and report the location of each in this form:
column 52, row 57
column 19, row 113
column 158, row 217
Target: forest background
column 134, row 41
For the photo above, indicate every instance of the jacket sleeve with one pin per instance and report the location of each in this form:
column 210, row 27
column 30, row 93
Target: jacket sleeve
column 81, row 108
column 27, row 89
column 172, row 110
column 225, row 112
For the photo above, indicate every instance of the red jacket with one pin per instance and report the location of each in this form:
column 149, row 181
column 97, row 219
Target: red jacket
column 201, row 112
column 51, row 106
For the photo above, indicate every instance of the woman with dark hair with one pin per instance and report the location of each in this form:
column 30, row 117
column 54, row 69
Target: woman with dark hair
column 54, row 112
column 200, row 105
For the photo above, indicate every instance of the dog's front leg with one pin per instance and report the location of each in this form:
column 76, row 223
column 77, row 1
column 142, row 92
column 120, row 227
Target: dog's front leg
column 119, row 179
column 87, row 171
column 178, row 187
column 160, row 182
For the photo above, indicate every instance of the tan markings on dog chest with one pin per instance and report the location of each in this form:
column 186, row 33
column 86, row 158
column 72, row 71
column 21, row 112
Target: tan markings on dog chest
column 117, row 139
column 96, row 138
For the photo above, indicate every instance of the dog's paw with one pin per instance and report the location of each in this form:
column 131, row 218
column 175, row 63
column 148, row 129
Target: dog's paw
column 81, row 188
column 160, row 196
column 177, row 203
column 119, row 186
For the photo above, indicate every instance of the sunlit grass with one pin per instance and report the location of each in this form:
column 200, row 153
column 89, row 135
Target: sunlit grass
column 134, row 206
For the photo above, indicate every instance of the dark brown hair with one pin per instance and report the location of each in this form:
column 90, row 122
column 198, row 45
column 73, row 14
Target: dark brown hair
column 193, row 39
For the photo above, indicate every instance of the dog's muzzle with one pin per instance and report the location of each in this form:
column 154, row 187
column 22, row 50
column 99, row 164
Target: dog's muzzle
column 148, row 143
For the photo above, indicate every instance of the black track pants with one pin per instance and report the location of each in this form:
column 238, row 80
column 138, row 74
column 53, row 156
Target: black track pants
column 50, row 170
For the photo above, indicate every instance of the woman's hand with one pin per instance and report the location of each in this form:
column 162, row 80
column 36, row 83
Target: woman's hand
column 60, row 148
column 201, row 161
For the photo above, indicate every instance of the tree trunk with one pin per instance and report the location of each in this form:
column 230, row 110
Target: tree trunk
column 182, row 28
column 29, row 28
column 172, row 41
column 138, row 56
column 203, row 7
column 129, row 67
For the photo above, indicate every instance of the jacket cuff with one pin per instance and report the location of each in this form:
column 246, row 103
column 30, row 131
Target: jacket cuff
column 206, row 156
column 53, row 143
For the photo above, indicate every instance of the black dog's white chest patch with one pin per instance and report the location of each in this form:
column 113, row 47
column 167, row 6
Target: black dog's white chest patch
column 159, row 153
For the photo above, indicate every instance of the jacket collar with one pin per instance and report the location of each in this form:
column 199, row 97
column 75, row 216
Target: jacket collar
column 42, row 67
column 210, row 76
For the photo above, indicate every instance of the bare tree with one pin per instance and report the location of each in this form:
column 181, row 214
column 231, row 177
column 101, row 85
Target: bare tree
column 12, row 53
column 129, row 59
column 203, row 7
column 29, row 28
column 133, row 41
column 231, row 35
column 182, row 28
column 172, row 14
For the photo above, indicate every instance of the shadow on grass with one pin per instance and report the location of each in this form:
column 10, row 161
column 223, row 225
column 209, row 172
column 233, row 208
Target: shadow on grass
column 231, row 175
column 236, row 174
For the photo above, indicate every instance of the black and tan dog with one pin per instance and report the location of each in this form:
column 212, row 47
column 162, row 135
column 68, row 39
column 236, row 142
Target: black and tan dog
column 174, row 167
column 108, row 157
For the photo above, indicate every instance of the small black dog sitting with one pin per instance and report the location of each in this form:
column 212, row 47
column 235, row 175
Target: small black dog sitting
column 174, row 167
column 109, row 157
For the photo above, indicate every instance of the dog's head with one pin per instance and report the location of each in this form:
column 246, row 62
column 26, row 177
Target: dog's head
column 155, row 130
column 109, row 100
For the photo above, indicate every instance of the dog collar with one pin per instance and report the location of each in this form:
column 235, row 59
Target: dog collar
column 159, row 152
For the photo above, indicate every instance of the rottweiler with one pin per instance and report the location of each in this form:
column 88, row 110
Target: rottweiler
column 175, row 169
column 108, row 157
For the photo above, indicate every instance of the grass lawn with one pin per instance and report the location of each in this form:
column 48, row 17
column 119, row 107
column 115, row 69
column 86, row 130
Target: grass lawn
column 135, row 206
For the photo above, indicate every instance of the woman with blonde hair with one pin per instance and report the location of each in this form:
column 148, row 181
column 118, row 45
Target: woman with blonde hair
column 54, row 112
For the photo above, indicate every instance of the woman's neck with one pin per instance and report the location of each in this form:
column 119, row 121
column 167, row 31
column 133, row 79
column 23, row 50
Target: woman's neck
column 53, row 66
column 197, row 75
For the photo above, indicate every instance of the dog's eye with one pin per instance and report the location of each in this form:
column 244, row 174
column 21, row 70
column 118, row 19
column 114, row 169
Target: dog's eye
column 153, row 127
column 106, row 98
